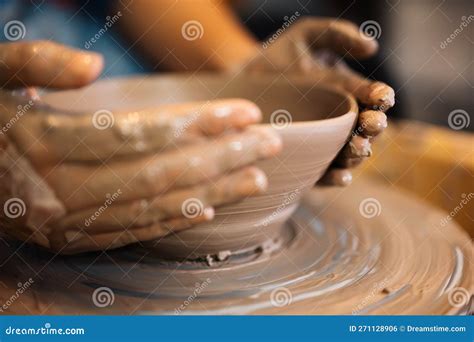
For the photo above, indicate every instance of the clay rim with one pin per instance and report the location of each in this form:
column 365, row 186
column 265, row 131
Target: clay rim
column 352, row 106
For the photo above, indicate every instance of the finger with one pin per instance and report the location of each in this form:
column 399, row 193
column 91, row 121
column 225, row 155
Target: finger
column 104, row 135
column 357, row 147
column 376, row 95
column 19, row 179
column 186, row 202
column 371, row 123
column 337, row 177
column 46, row 64
column 85, row 241
column 354, row 152
column 180, row 223
column 83, row 185
column 337, row 35
column 214, row 117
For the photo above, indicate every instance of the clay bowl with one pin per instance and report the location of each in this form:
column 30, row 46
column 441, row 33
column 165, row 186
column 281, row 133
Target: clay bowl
column 321, row 122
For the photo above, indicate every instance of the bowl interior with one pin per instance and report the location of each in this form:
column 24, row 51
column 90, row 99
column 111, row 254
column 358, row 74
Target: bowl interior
column 303, row 99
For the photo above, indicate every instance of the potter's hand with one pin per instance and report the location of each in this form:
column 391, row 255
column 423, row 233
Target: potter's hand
column 28, row 201
column 314, row 47
column 71, row 184
column 46, row 64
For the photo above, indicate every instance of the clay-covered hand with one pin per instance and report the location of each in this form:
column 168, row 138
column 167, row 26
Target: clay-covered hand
column 72, row 184
column 316, row 48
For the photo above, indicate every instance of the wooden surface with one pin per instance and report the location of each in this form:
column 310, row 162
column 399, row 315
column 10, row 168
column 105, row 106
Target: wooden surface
column 435, row 163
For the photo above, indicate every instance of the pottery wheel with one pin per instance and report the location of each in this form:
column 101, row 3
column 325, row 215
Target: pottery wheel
column 359, row 250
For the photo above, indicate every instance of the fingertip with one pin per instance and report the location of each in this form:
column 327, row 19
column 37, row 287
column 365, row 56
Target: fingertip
column 180, row 223
column 87, row 67
column 254, row 111
column 382, row 96
column 97, row 63
column 271, row 143
column 342, row 177
column 247, row 112
column 222, row 115
column 367, row 47
column 260, row 181
column 345, row 177
column 372, row 122
column 358, row 147
column 208, row 214
column 252, row 181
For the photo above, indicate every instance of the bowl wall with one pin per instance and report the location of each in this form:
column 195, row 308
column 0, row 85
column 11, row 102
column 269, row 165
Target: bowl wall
column 314, row 123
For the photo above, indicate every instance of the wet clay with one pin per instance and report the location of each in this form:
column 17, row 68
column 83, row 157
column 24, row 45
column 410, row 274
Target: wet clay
column 65, row 169
column 331, row 260
column 313, row 128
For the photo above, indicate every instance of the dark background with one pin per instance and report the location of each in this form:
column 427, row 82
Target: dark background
column 430, row 82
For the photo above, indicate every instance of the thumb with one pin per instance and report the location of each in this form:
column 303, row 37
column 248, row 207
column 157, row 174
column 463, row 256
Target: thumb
column 46, row 64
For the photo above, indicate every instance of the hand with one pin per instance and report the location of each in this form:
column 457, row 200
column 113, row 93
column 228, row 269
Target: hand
column 153, row 172
column 313, row 47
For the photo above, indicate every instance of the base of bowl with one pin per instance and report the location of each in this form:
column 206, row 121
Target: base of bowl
column 225, row 237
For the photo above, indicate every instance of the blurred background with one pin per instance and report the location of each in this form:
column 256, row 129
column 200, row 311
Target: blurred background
column 426, row 45
column 431, row 75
